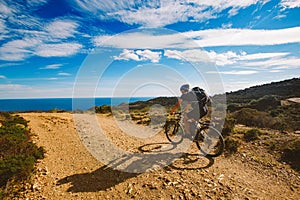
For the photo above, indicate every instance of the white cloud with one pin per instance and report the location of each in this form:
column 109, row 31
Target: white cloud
column 290, row 3
column 62, row 49
column 62, row 29
column 275, row 71
column 139, row 55
column 17, row 49
column 149, row 55
column 287, row 62
column 256, row 56
column 228, row 58
column 37, row 3
column 127, row 55
column 227, row 26
column 5, row 9
column 194, row 55
column 53, row 66
column 3, row 29
column 63, row 74
column 237, row 37
column 2, row 77
column 145, row 39
column 30, row 34
column 161, row 38
column 279, row 17
column 161, row 13
column 25, row 91
column 234, row 72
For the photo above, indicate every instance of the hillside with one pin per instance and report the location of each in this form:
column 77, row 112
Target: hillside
column 271, row 94
column 282, row 89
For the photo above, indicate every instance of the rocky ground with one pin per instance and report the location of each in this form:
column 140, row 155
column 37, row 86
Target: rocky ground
column 69, row 171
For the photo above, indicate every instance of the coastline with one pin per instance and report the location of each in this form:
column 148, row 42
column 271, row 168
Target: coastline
column 64, row 104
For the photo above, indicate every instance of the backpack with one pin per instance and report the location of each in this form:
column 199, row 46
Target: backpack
column 201, row 96
column 202, row 99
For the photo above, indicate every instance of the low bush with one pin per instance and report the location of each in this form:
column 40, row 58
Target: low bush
column 228, row 126
column 232, row 145
column 291, row 153
column 18, row 153
column 103, row 109
column 252, row 134
column 252, row 117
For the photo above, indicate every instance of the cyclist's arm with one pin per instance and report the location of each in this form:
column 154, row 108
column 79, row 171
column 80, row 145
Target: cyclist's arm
column 176, row 106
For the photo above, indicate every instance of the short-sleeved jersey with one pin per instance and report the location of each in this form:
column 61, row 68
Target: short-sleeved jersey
column 191, row 98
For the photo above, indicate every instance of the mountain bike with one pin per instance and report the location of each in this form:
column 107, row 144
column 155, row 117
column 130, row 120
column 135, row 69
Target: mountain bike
column 208, row 139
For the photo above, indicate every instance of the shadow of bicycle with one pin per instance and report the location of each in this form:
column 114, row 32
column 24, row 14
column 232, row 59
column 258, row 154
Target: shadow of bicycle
column 187, row 161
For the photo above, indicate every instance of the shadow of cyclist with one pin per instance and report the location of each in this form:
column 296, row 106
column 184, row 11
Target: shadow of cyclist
column 119, row 170
column 187, row 161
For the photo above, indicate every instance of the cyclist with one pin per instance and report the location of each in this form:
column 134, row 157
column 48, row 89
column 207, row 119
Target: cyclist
column 190, row 106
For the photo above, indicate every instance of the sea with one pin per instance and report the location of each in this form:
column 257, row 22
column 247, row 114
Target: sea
column 67, row 104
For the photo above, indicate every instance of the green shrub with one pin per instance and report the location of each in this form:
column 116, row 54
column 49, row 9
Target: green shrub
column 232, row 145
column 9, row 120
column 252, row 134
column 252, row 117
column 228, row 126
column 16, row 166
column 103, row 109
column 291, row 153
column 265, row 103
column 17, row 152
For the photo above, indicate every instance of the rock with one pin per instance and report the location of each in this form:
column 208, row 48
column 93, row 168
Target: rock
column 36, row 187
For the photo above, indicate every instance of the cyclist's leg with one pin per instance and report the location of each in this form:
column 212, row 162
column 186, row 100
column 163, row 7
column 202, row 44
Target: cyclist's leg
column 186, row 124
column 192, row 116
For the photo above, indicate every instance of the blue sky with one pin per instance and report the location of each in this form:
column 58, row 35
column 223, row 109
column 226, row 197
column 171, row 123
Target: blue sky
column 52, row 48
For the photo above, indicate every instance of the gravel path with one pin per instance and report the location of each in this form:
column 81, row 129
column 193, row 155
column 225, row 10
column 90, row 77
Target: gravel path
column 69, row 170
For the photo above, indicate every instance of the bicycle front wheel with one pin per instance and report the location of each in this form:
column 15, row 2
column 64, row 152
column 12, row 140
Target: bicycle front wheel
column 174, row 132
column 210, row 141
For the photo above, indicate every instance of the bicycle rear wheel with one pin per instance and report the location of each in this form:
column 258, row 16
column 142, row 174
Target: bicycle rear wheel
column 210, row 141
column 174, row 132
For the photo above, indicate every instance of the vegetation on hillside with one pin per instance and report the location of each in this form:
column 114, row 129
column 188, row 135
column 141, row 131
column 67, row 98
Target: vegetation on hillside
column 282, row 89
column 17, row 152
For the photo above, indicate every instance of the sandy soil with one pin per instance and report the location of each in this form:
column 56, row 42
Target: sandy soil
column 69, row 171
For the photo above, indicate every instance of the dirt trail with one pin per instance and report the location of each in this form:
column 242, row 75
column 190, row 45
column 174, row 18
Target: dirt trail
column 69, row 171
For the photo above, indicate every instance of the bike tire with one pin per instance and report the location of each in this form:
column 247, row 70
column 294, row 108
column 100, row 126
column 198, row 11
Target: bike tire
column 205, row 137
column 174, row 133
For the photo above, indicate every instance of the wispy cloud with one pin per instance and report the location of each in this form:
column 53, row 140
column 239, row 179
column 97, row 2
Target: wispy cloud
column 139, row 55
column 26, row 91
column 239, row 37
column 234, row 72
column 193, row 55
column 204, row 38
column 229, row 57
column 286, row 62
column 62, row 49
column 290, row 3
column 64, row 74
column 17, row 49
column 2, row 77
column 32, row 36
column 53, row 66
column 161, row 13
column 62, row 29
column 36, row 3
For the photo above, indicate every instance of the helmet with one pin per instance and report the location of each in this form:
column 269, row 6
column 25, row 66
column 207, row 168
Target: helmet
column 185, row 87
